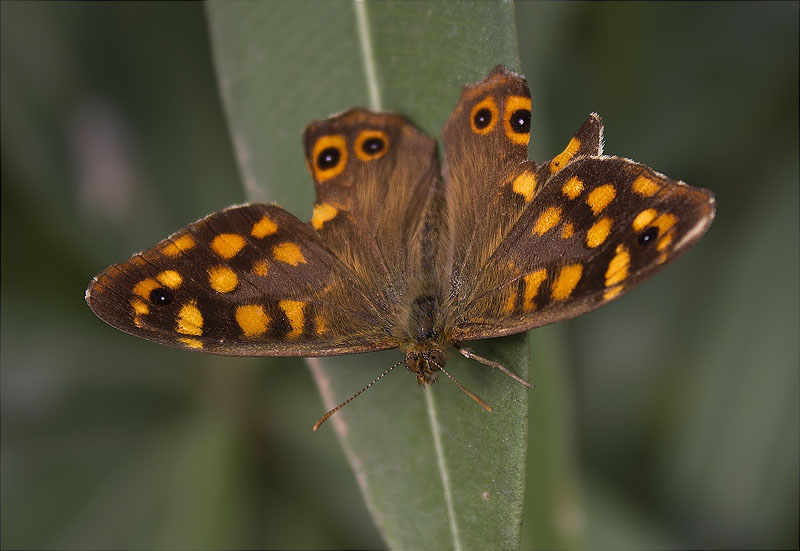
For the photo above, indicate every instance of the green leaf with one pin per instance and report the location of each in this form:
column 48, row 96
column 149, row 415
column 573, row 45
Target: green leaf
column 435, row 469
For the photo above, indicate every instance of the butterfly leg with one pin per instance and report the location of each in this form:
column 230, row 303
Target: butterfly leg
column 469, row 354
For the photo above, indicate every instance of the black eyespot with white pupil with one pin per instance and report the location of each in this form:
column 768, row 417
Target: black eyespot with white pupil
column 328, row 158
column 482, row 118
column 373, row 146
column 521, row 121
column 161, row 296
column 648, row 235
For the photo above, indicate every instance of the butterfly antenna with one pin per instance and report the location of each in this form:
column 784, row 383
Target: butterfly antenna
column 466, row 391
column 325, row 417
column 469, row 354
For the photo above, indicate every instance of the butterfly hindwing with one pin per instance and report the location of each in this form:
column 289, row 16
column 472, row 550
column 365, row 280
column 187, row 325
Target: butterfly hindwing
column 250, row 280
column 587, row 142
column 523, row 181
column 374, row 175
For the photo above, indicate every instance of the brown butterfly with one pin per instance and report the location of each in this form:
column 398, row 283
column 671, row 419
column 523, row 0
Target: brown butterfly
column 398, row 254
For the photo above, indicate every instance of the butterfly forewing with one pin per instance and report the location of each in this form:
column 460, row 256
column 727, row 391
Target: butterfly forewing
column 597, row 228
column 250, row 280
column 485, row 142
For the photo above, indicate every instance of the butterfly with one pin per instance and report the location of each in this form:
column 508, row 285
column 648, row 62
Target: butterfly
column 399, row 254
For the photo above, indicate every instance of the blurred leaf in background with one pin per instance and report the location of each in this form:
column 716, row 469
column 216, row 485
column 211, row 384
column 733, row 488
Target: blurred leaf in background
column 687, row 390
column 676, row 406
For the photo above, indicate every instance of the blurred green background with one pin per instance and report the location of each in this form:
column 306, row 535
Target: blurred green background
column 667, row 419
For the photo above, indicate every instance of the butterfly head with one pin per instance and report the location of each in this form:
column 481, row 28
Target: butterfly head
column 425, row 362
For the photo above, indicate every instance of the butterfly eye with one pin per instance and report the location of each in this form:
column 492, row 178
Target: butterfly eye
column 412, row 362
column 328, row 158
column 521, row 121
column 371, row 145
column 648, row 235
column 436, row 359
column 483, row 116
column 161, row 296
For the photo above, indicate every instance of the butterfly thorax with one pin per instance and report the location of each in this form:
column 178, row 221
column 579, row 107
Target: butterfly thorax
column 424, row 339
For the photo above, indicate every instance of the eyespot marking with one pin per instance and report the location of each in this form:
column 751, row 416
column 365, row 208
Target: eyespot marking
column 645, row 187
column 222, row 279
column 178, row 245
column 161, row 296
column 643, row 219
column 288, row 253
column 517, row 120
column 561, row 160
column 329, row 156
column 600, row 197
column 525, row 185
column 660, row 226
column 323, row 212
column 665, row 222
column 647, row 235
column 547, row 220
column 533, row 281
column 483, row 117
column 598, row 233
column 227, row 245
column 566, row 281
column 170, row 278
column 190, row 320
column 295, row 314
column 252, row 320
column 145, row 287
column 264, row 227
column 371, row 145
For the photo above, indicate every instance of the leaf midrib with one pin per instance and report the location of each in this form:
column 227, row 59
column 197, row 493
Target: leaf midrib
column 367, row 55
column 376, row 103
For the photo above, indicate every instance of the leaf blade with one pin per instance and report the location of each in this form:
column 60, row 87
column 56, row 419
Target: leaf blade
column 434, row 468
